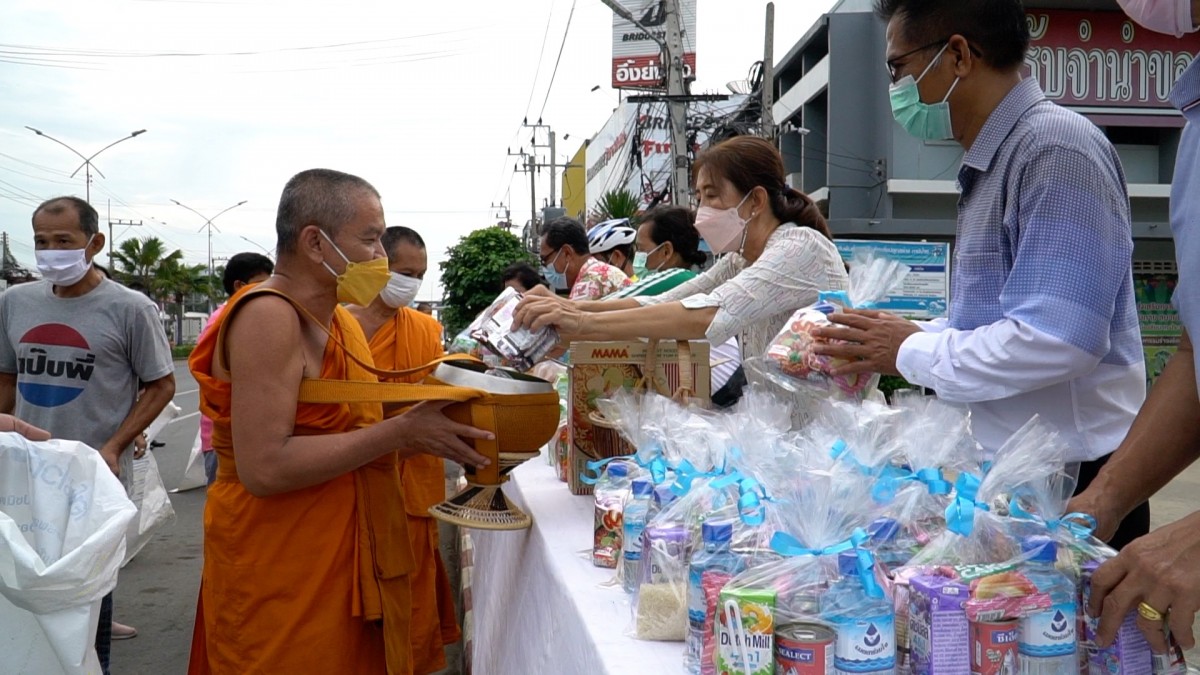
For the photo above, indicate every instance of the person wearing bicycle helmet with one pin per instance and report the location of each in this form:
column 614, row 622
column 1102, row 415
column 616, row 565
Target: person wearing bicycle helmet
column 612, row 242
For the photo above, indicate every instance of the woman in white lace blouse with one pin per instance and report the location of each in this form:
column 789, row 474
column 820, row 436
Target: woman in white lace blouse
column 779, row 257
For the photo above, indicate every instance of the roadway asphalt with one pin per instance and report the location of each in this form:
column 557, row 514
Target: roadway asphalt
column 157, row 590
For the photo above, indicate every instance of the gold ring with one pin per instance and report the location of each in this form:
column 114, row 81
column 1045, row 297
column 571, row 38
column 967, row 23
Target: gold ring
column 1149, row 613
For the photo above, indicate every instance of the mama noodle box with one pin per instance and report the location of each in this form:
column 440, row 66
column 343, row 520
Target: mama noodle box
column 938, row 630
column 746, row 632
column 600, row 369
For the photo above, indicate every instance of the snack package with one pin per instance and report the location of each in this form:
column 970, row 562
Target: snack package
column 791, row 355
column 519, row 348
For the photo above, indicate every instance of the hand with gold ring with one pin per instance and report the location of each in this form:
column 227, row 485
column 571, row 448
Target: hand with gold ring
column 1158, row 576
column 1149, row 613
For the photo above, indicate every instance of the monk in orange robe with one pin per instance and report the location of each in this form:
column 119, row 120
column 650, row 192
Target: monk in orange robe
column 306, row 550
column 402, row 338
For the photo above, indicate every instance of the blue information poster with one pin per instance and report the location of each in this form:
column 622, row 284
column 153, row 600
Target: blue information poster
column 926, row 290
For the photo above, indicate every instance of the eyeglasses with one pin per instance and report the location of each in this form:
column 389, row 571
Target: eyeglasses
column 894, row 65
column 549, row 257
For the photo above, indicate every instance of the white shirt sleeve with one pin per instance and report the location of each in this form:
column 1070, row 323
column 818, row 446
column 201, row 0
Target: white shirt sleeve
column 990, row 363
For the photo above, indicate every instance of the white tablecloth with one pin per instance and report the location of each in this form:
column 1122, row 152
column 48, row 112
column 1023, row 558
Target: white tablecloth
column 538, row 602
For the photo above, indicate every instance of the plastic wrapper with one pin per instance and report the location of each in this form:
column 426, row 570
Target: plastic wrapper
column 822, row 597
column 935, row 445
column 791, row 355
column 660, row 601
column 519, row 348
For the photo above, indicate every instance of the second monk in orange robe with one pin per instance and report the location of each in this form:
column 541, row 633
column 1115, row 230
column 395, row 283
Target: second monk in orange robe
column 402, row 338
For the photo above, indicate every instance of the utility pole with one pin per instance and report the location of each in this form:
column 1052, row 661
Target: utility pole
column 672, row 60
column 502, row 207
column 530, row 168
column 768, row 74
column 551, row 165
column 208, row 224
column 677, row 106
column 111, row 239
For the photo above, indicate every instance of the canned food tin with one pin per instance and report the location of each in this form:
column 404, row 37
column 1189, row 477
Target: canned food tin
column 804, row 649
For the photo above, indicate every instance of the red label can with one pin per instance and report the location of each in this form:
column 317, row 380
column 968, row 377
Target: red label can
column 994, row 647
column 804, row 649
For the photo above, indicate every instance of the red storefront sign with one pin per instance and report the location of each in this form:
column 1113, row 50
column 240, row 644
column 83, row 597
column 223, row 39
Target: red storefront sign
column 1104, row 59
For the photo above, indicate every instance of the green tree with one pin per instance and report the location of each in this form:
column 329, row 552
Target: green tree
column 138, row 260
column 471, row 273
column 616, row 204
column 176, row 281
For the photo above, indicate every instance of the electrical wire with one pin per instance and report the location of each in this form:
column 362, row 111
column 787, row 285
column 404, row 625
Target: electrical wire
column 558, row 60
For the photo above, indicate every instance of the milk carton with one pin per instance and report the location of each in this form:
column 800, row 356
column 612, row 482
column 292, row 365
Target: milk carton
column 938, row 630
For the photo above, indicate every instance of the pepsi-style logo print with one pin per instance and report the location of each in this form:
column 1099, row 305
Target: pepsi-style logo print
column 54, row 365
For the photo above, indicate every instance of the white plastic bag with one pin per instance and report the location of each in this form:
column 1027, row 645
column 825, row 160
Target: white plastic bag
column 149, row 495
column 63, row 518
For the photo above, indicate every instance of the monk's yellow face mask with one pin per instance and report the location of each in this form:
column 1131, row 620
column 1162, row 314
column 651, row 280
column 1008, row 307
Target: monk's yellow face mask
column 361, row 283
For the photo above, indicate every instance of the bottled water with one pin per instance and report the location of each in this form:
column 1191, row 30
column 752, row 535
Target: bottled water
column 1048, row 642
column 636, row 510
column 865, row 626
column 717, row 555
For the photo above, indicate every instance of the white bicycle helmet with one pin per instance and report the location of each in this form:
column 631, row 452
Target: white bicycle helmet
column 610, row 234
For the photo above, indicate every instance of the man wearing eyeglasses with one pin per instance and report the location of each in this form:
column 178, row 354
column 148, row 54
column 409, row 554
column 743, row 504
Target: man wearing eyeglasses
column 1042, row 317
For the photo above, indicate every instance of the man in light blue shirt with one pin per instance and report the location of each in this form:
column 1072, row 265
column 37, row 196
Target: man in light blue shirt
column 1042, row 319
column 1159, row 574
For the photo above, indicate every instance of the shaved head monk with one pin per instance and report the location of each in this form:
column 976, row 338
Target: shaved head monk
column 307, row 555
column 401, row 338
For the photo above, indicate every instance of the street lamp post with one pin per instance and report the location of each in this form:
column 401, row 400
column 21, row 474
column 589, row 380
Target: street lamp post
column 264, row 248
column 87, row 161
column 208, row 223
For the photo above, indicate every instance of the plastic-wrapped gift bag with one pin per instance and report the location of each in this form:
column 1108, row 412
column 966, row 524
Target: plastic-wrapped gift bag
column 63, row 517
column 791, row 355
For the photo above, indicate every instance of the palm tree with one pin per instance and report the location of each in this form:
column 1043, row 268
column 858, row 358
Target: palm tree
column 138, row 261
column 176, row 281
column 616, row 204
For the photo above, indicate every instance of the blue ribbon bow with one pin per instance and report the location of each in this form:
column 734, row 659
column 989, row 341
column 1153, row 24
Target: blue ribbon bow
column 843, row 298
column 888, row 483
column 686, row 473
column 751, row 496
column 1078, row 525
column 596, row 468
column 960, row 514
column 787, row 545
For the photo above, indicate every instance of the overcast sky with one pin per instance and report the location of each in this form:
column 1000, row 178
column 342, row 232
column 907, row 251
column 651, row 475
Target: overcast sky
column 420, row 98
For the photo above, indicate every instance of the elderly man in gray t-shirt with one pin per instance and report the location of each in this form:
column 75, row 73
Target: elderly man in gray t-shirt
column 76, row 348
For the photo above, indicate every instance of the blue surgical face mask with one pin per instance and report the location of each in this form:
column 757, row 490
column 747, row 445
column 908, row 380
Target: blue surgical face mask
column 930, row 122
column 558, row 280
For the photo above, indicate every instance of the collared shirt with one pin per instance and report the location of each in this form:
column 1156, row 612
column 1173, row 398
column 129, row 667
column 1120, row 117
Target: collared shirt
column 755, row 301
column 597, row 279
column 1185, row 205
column 1042, row 316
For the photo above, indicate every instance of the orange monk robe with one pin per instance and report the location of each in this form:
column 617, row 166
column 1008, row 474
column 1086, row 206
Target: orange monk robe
column 310, row 581
column 410, row 340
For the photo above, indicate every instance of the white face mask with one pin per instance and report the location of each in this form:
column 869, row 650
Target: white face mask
column 64, row 267
column 400, row 291
column 1171, row 17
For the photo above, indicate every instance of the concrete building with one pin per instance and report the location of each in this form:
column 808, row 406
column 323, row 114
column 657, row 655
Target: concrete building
column 842, row 146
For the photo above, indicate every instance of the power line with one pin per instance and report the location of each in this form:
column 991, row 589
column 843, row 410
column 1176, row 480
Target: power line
column 541, row 55
column 558, row 60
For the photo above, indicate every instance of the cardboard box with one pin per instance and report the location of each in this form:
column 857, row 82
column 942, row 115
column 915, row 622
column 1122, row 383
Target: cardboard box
column 598, row 369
